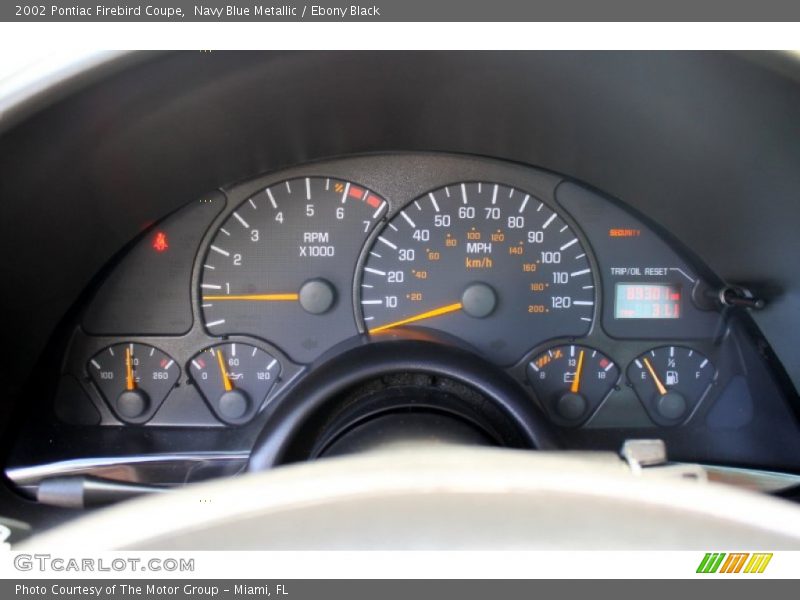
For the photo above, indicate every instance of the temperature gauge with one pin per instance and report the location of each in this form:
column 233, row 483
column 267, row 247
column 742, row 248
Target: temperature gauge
column 234, row 378
column 670, row 381
column 572, row 380
column 133, row 378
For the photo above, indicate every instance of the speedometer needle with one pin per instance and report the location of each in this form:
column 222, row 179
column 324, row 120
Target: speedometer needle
column 436, row 312
column 263, row 297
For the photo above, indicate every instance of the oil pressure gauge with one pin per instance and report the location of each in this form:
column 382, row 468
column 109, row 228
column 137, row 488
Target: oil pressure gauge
column 234, row 378
column 133, row 378
column 571, row 381
column 670, row 381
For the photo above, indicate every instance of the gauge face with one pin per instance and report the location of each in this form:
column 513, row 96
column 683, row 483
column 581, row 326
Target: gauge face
column 133, row 378
column 234, row 378
column 281, row 266
column 484, row 262
column 572, row 381
column 670, row 381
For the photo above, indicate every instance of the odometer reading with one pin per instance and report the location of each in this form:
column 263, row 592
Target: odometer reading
column 647, row 301
column 484, row 262
column 281, row 266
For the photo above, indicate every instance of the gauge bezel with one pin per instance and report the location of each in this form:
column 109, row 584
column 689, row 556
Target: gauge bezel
column 516, row 185
column 264, row 222
column 256, row 404
column 154, row 405
column 593, row 405
column 693, row 404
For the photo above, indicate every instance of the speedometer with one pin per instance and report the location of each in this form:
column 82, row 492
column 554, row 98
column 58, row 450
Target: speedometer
column 281, row 266
column 487, row 263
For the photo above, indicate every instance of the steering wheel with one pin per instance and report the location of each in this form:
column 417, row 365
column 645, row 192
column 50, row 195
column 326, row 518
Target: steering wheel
column 416, row 496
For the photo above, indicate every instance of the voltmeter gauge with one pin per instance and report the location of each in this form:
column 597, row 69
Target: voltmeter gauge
column 133, row 378
column 572, row 380
column 670, row 381
column 234, row 378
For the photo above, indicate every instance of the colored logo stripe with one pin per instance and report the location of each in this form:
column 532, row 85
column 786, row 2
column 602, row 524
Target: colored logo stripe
column 710, row 562
column 758, row 563
column 713, row 562
column 734, row 562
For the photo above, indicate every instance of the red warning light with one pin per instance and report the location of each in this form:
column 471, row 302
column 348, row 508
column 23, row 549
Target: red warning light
column 160, row 243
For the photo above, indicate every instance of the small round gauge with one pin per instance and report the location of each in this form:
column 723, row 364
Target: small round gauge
column 483, row 262
column 572, row 381
column 281, row 266
column 234, row 378
column 670, row 381
column 133, row 378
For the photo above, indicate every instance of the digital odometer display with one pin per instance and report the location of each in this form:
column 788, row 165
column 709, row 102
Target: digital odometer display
column 647, row 301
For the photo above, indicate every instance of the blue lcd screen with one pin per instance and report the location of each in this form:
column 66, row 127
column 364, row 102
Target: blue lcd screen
column 647, row 301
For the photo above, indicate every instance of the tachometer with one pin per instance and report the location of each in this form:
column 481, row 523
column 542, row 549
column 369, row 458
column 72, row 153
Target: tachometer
column 487, row 263
column 281, row 266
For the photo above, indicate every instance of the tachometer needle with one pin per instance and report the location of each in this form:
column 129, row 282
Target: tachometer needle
column 130, row 382
column 576, row 382
column 661, row 389
column 436, row 312
column 226, row 380
column 262, row 297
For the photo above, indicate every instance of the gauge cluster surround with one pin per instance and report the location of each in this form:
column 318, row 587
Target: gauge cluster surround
column 602, row 322
column 540, row 276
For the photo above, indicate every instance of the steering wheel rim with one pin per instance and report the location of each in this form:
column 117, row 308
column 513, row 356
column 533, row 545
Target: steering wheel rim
column 451, row 498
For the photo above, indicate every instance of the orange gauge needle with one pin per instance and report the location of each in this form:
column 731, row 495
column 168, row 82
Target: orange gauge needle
column 576, row 383
column 226, row 380
column 130, row 383
column 436, row 312
column 262, row 297
column 661, row 389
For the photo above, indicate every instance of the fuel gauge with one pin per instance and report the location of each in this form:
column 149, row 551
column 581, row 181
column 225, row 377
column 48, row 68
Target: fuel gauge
column 571, row 381
column 234, row 378
column 670, row 381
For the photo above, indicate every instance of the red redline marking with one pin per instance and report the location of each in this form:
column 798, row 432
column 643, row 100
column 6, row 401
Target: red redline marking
column 373, row 201
column 356, row 192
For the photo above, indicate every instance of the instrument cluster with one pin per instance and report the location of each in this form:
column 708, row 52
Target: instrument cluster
column 603, row 323
column 545, row 279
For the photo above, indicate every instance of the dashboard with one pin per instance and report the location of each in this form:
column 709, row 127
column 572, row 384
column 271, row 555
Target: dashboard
column 218, row 288
column 521, row 307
